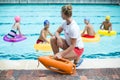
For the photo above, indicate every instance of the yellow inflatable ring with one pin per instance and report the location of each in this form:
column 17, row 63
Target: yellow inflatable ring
column 43, row 47
column 105, row 33
column 96, row 39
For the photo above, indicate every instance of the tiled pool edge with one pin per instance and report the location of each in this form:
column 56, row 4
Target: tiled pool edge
column 32, row 64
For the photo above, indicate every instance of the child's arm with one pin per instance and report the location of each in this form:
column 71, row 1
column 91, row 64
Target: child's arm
column 110, row 28
column 101, row 26
column 19, row 29
column 43, row 35
column 84, row 31
column 50, row 33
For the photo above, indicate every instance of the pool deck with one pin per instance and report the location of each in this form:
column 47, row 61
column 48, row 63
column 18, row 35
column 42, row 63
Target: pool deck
column 90, row 69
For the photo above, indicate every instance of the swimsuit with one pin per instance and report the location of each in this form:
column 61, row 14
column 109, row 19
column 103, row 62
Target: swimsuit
column 88, row 36
column 12, row 33
column 78, row 51
column 39, row 41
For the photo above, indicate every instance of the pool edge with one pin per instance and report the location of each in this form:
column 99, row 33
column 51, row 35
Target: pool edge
column 33, row 64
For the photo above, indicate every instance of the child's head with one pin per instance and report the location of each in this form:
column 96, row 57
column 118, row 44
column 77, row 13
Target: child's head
column 66, row 11
column 46, row 24
column 17, row 18
column 107, row 18
column 86, row 20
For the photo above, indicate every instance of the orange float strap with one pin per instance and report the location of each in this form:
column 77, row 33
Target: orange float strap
column 63, row 66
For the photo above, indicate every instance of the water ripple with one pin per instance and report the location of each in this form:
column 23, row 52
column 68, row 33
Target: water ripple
column 100, row 55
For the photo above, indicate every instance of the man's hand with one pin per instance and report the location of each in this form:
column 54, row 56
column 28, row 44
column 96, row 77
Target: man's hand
column 58, row 56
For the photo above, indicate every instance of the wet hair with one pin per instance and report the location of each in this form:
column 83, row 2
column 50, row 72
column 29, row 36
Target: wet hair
column 67, row 10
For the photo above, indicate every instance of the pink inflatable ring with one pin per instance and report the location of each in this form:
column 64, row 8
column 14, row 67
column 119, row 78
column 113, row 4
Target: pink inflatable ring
column 17, row 38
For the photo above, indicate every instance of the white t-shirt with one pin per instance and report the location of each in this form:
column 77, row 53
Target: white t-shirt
column 72, row 31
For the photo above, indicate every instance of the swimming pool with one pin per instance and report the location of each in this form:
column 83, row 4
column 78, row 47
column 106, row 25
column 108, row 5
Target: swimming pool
column 32, row 17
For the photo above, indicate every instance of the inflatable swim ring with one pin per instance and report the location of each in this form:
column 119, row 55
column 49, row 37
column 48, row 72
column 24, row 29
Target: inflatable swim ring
column 43, row 47
column 95, row 39
column 105, row 33
column 17, row 38
column 63, row 66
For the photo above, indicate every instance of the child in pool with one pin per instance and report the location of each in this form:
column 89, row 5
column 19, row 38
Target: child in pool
column 89, row 29
column 15, row 28
column 44, row 32
column 106, row 25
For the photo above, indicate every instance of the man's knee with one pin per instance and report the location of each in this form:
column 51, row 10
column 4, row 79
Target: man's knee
column 53, row 39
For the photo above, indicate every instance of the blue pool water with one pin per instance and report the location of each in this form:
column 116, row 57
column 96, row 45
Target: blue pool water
column 32, row 17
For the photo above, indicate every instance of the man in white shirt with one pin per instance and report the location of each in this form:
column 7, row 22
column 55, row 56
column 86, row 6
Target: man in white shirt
column 72, row 45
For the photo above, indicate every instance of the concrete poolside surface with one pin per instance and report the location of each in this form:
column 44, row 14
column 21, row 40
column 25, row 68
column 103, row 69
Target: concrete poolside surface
column 90, row 69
